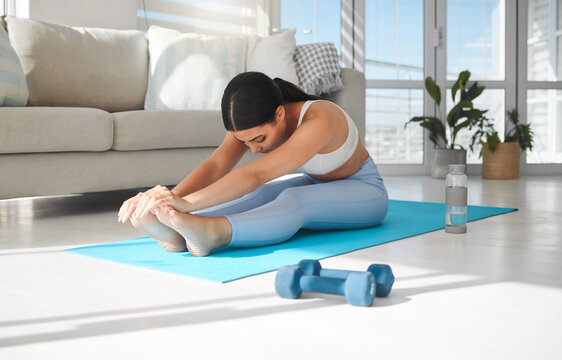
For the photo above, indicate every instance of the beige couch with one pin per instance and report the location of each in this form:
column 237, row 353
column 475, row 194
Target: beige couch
column 85, row 130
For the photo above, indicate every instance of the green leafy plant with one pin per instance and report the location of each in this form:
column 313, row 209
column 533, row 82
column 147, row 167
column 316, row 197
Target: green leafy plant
column 463, row 115
column 521, row 133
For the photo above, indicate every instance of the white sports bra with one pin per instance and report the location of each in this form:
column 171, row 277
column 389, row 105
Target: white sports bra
column 321, row 164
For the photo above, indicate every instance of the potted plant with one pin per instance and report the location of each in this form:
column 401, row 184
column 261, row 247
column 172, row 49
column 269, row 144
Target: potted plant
column 501, row 159
column 463, row 115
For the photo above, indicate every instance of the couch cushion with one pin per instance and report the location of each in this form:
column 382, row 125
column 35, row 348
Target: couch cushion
column 51, row 129
column 144, row 130
column 81, row 67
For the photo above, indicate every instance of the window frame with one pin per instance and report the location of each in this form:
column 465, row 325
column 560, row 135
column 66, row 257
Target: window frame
column 509, row 84
column 429, row 70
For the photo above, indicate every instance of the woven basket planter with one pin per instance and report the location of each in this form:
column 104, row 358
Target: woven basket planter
column 502, row 163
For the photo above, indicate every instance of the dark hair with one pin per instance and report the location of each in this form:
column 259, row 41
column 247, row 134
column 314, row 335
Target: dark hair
column 251, row 99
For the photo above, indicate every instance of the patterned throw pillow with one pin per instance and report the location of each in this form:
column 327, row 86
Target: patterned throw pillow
column 190, row 71
column 318, row 68
column 13, row 87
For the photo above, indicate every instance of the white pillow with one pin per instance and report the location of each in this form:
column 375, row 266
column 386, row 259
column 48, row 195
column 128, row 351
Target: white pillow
column 189, row 71
column 273, row 56
column 13, row 86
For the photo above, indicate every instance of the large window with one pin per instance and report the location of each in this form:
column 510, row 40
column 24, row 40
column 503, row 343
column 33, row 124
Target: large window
column 394, row 69
column 387, row 110
column 513, row 48
column 314, row 20
column 476, row 39
column 394, row 40
column 476, row 42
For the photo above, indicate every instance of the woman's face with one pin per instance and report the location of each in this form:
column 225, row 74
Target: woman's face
column 265, row 138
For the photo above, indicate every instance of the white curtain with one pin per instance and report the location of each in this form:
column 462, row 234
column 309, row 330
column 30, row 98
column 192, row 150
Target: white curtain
column 19, row 8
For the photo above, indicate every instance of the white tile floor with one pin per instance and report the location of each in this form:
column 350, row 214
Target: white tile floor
column 493, row 293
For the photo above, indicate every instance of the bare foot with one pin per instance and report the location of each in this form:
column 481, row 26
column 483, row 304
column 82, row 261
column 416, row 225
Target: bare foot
column 167, row 237
column 202, row 234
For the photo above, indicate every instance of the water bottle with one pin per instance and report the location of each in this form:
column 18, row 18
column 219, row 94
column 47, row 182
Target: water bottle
column 456, row 199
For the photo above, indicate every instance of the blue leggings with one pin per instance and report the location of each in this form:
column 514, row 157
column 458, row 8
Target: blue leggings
column 277, row 210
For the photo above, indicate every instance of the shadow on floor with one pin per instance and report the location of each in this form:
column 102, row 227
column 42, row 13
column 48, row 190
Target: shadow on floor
column 53, row 206
column 140, row 323
column 308, row 301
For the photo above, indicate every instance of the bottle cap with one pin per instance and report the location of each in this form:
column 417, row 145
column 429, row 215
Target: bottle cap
column 457, row 167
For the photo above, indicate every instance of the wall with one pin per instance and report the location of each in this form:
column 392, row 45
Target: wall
column 202, row 16
column 113, row 14
column 213, row 17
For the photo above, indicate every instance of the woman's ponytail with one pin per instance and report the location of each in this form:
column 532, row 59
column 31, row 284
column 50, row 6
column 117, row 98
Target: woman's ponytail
column 291, row 92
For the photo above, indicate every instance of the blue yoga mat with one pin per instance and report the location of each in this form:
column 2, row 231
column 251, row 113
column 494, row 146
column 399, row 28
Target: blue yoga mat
column 404, row 219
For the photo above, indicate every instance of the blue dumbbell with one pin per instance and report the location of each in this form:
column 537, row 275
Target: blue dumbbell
column 383, row 274
column 358, row 287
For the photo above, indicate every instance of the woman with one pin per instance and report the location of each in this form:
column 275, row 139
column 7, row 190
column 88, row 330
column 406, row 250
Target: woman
column 217, row 205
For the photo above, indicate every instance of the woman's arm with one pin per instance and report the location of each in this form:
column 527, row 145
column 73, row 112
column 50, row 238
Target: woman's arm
column 303, row 144
column 223, row 160
column 295, row 152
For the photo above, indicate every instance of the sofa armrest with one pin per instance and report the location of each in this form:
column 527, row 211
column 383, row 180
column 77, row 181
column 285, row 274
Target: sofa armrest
column 352, row 97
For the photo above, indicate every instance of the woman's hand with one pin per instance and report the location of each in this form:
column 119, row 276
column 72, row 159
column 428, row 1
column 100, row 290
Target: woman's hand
column 128, row 208
column 160, row 196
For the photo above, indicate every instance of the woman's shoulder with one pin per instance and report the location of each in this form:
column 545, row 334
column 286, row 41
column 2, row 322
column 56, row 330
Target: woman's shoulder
column 323, row 109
